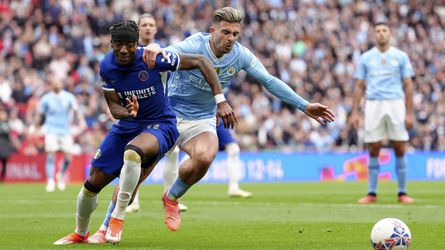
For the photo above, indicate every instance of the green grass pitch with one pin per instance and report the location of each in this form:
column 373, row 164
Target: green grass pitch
column 279, row 216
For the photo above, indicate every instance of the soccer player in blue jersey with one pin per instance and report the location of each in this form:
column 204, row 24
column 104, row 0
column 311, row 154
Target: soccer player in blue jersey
column 386, row 71
column 194, row 104
column 146, row 130
column 55, row 109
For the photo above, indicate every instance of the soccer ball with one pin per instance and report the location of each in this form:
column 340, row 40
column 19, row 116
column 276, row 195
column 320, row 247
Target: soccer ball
column 390, row 233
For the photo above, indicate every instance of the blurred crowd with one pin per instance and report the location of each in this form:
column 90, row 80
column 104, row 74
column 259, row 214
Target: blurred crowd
column 313, row 45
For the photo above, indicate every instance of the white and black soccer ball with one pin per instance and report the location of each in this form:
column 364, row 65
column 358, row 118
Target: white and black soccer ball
column 390, row 234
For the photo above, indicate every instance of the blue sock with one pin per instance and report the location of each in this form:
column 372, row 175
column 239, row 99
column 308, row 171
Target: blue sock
column 178, row 189
column 49, row 166
column 106, row 221
column 374, row 168
column 66, row 164
column 401, row 173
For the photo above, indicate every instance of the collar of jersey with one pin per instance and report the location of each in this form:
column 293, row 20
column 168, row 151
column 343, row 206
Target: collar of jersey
column 216, row 59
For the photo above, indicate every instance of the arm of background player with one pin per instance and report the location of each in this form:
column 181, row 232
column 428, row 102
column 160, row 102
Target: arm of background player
column 409, row 120
column 117, row 111
column 188, row 61
column 358, row 93
column 79, row 115
column 321, row 113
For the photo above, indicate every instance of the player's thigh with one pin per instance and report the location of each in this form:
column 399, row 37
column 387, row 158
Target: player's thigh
column 148, row 143
column 51, row 143
column 109, row 155
column 396, row 127
column 204, row 144
column 66, row 144
column 155, row 141
column 188, row 129
column 375, row 129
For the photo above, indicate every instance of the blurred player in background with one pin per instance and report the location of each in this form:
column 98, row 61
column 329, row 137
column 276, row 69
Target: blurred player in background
column 146, row 129
column 7, row 147
column 193, row 102
column 55, row 112
column 387, row 73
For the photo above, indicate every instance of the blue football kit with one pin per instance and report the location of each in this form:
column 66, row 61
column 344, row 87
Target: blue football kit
column 155, row 115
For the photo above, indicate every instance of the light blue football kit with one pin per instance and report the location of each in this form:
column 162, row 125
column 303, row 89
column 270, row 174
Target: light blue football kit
column 57, row 109
column 191, row 96
column 383, row 73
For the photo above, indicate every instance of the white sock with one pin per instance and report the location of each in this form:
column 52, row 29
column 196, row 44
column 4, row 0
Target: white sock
column 136, row 198
column 128, row 180
column 233, row 165
column 86, row 204
column 170, row 170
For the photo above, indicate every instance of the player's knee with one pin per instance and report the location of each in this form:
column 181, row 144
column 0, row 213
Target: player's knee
column 232, row 149
column 133, row 153
column 90, row 190
column 204, row 159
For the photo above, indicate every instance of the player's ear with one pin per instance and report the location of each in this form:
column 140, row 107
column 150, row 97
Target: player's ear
column 212, row 29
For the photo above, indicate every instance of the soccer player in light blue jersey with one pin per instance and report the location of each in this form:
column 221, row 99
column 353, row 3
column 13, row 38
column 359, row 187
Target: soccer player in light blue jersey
column 56, row 109
column 194, row 105
column 386, row 71
column 146, row 130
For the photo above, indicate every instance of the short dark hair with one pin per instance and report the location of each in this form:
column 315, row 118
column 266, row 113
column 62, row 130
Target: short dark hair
column 382, row 23
column 124, row 30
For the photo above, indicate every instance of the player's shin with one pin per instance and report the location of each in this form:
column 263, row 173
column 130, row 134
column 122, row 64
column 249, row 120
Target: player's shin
column 374, row 168
column 401, row 174
column 128, row 180
column 178, row 189
column 233, row 166
column 106, row 221
column 86, row 204
column 170, row 170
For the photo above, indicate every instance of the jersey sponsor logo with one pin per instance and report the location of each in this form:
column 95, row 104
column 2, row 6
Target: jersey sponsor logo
column 98, row 154
column 143, row 75
column 231, row 70
column 217, row 69
column 170, row 58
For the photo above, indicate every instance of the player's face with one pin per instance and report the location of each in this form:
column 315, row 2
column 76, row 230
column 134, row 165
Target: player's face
column 382, row 34
column 125, row 51
column 147, row 29
column 57, row 85
column 224, row 36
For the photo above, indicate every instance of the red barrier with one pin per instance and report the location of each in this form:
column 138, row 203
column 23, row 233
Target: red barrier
column 24, row 168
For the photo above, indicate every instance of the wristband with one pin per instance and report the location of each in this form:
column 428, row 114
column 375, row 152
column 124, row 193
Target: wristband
column 219, row 98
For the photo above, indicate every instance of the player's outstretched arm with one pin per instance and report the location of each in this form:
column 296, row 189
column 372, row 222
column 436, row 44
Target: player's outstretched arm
column 119, row 112
column 321, row 113
column 188, row 61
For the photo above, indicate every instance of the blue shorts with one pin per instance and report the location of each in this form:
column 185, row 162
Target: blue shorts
column 109, row 156
column 224, row 136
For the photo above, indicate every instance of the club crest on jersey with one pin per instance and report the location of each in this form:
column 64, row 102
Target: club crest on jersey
column 394, row 63
column 231, row 70
column 143, row 75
